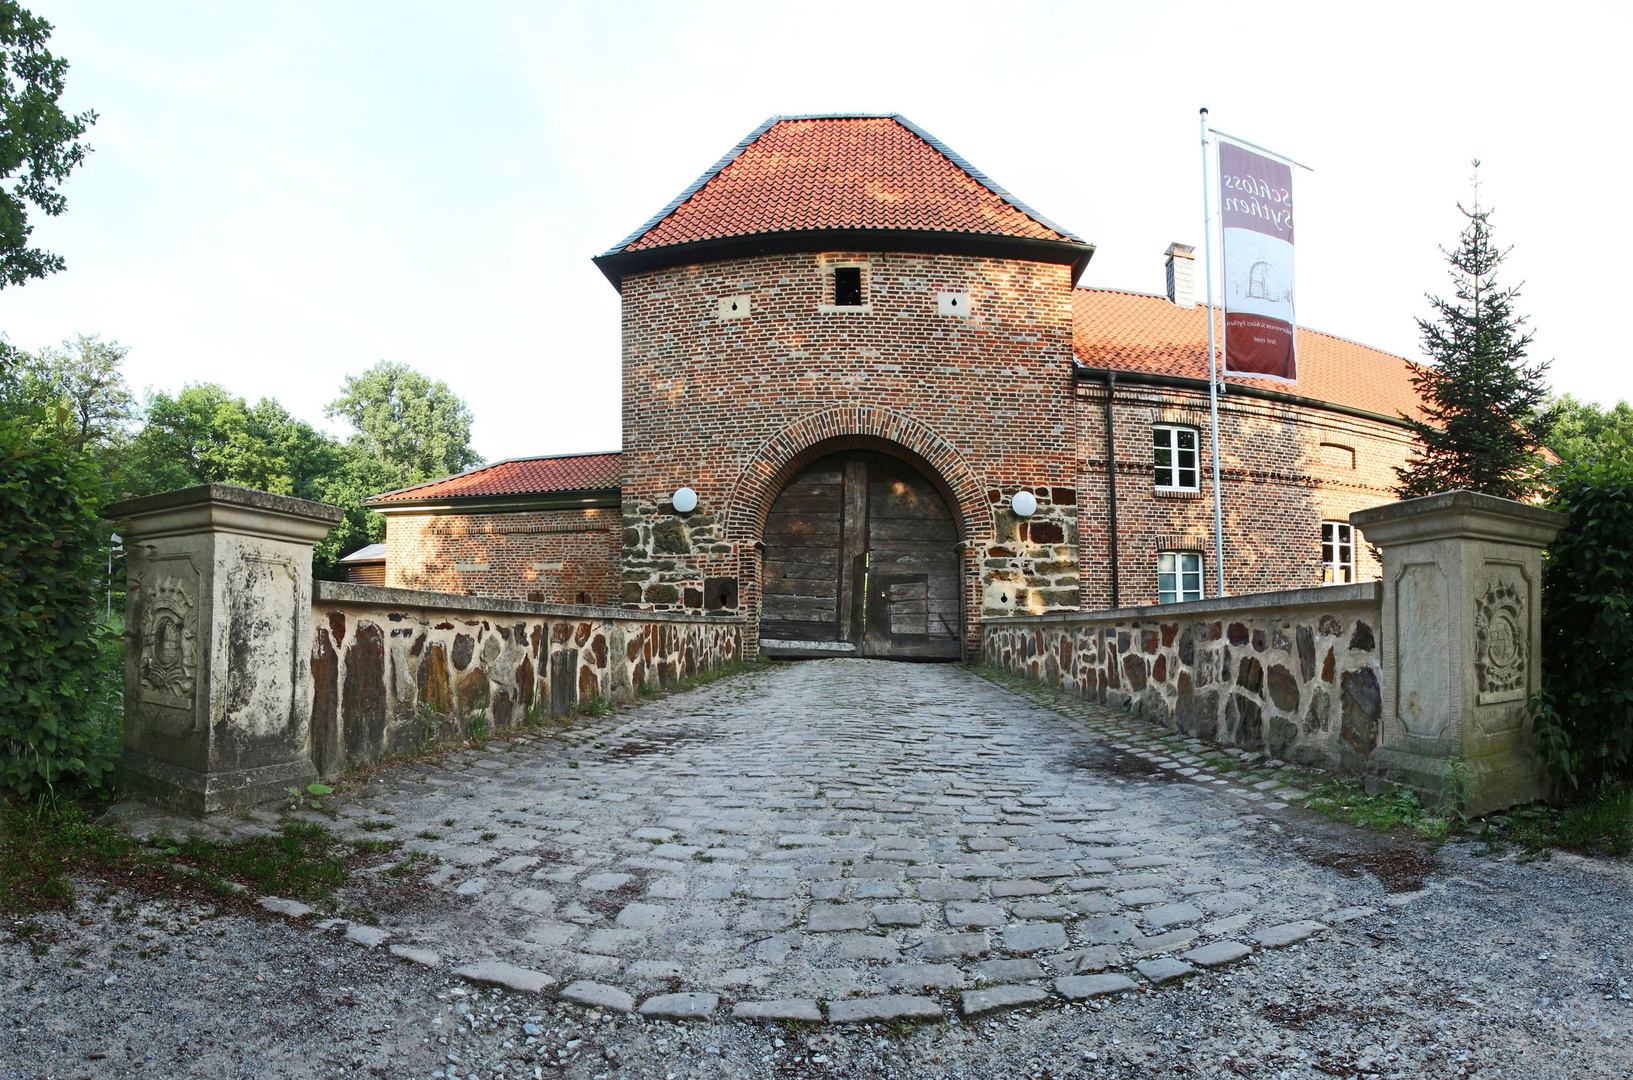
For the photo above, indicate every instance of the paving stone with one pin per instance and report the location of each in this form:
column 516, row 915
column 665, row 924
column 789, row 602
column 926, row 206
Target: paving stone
column 423, row 957
column 1030, row 937
column 681, row 1006
column 1349, row 914
column 1079, row 987
column 606, row 882
column 1223, row 903
column 883, row 1007
column 495, row 973
column 867, row 947
column 1105, row 929
column 1007, row 971
column 937, row 892
column 281, row 906
column 1277, row 937
column 1141, row 897
column 614, row 942
column 923, row 976
column 517, row 863
column 1035, row 910
column 1218, row 953
column 782, row 1009
column 770, row 890
column 366, row 936
column 828, row 890
column 826, row 918
column 642, row 916
column 877, row 890
column 1098, row 958
column 473, row 887
column 1022, row 887
column 898, row 915
column 1164, row 969
column 655, row 969
column 977, row 1002
column 960, row 913
column 939, row 946
column 1161, row 943
column 598, row 996
column 1166, row 915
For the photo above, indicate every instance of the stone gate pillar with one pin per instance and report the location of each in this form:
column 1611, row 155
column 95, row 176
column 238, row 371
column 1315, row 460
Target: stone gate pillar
column 1462, row 633
column 218, row 678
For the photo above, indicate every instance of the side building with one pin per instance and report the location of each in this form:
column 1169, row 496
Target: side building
column 852, row 350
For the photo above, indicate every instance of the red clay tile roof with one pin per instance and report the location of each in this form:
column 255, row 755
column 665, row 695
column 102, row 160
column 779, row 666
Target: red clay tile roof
column 840, row 172
column 1136, row 332
column 520, row 476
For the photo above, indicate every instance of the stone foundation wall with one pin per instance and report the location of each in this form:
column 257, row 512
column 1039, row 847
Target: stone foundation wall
column 1292, row 674
column 394, row 669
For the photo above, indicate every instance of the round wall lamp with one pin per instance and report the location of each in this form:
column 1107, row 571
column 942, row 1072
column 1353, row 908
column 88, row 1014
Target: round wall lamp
column 1024, row 503
column 684, row 500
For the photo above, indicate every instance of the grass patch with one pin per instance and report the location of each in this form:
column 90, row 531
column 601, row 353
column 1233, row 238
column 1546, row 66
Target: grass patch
column 41, row 845
column 1343, row 798
column 303, row 860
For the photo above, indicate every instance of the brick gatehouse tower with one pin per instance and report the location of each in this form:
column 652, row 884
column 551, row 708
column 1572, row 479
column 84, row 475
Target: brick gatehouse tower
column 845, row 352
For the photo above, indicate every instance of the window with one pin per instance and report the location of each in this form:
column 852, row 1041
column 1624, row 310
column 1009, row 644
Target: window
column 1337, row 553
column 1176, row 457
column 1179, row 576
column 848, row 286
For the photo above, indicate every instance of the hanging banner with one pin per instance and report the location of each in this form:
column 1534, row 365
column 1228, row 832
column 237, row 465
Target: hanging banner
column 1256, row 216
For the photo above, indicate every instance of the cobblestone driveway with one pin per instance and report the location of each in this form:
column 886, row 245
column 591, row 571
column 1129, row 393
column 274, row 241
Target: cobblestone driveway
column 881, row 838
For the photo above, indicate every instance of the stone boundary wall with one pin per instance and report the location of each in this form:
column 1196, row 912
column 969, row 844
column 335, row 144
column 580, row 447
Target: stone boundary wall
column 394, row 669
column 1293, row 674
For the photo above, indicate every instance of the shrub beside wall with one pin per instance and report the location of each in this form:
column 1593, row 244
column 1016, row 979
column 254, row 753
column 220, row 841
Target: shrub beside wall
column 52, row 640
column 1584, row 716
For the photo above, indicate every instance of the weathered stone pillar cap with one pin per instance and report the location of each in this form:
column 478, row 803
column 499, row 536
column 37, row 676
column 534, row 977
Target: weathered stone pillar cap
column 224, row 508
column 1465, row 514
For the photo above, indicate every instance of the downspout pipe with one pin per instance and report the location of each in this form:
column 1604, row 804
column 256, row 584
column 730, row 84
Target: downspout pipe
column 1111, row 482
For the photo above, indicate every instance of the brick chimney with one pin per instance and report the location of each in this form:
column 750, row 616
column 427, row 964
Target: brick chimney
column 1182, row 274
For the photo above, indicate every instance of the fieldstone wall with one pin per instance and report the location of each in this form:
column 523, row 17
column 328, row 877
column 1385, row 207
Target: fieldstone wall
column 395, row 669
column 1294, row 675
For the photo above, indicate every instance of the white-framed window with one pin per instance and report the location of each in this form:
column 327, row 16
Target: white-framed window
column 1174, row 450
column 1337, row 553
column 1179, row 576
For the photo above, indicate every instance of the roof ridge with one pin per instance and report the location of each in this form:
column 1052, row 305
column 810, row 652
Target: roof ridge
column 983, row 179
column 924, row 136
column 696, row 186
column 1306, row 329
column 475, row 469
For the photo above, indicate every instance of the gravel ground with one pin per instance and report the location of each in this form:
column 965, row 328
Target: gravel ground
column 1465, row 966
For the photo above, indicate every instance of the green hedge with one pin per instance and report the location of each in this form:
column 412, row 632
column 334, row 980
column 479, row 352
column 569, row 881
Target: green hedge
column 1584, row 714
column 54, row 648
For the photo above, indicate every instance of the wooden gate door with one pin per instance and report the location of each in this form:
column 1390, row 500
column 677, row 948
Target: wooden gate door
column 861, row 558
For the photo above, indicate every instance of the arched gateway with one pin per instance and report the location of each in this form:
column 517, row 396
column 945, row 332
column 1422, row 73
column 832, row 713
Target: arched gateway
column 861, row 557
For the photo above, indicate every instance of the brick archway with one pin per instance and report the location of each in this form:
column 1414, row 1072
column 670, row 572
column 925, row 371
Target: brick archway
column 856, row 427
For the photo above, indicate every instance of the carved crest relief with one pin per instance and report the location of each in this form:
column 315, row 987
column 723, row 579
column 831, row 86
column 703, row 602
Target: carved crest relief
column 1501, row 659
column 168, row 669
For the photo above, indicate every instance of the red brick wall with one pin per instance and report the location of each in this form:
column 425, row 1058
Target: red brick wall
column 702, row 397
column 551, row 556
column 1279, row 483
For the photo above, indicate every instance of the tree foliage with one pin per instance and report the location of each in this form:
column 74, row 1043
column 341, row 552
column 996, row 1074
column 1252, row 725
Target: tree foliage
column 1483, row 403
column 417, row 428
column 84, row 378
column 39, row 142
column 1583, row 429
column 52, row 547
column 1584, row 716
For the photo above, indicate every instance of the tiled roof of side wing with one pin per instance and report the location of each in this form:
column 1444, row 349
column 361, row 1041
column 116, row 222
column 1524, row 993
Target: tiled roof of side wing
column 521, row 476
column 1137, row 332
column 840, row 172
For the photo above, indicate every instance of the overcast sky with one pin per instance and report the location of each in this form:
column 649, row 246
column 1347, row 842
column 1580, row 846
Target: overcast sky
column 284, row 193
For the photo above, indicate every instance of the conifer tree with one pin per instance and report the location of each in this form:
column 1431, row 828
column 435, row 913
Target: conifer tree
column 1484, row 415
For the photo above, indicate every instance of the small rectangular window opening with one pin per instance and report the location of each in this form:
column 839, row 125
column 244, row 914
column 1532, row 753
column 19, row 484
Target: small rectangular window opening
column 1175, row 457
column 1337, row 553
column 1179, row 576
column 848, row 286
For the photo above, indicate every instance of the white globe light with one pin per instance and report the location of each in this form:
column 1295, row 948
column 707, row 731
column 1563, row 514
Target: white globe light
column 1024, row 503
column 684, row 500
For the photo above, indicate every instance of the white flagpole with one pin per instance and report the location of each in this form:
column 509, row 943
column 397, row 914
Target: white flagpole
column 1213, row 380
